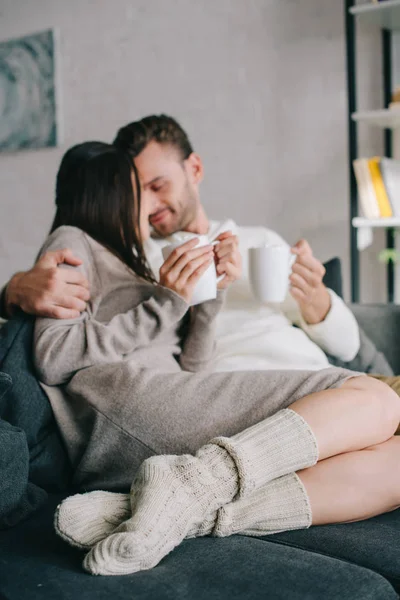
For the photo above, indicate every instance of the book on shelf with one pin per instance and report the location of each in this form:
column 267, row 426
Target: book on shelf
column 384, row 205
column 390, row 169
column 378, row 184
column 366, row 193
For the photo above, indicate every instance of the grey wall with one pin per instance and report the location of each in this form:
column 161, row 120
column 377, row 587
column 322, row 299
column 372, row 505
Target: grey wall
column 258, row 84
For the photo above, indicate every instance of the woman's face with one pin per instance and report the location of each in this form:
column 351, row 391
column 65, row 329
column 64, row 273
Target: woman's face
column 144, row 213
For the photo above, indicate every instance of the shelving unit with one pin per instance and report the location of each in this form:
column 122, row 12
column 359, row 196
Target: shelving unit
column 385, row 15
column 388, row 222
column 385, row 118
column 365, row 229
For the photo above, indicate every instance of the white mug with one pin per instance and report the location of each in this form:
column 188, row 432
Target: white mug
column 206, row 287
column 269, row 269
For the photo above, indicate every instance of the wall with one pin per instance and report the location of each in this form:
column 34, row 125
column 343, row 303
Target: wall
column 258, row 84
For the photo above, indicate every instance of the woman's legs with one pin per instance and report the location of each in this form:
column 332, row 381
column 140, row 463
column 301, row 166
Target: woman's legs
column 360, row 478
column 394, row 383
column 361, row 413
column 356, row 485
column 348, row 487
column 345, row 488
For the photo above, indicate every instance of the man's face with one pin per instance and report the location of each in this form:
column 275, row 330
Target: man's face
column 169, row 189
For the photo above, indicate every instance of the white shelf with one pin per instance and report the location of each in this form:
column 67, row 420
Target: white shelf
column 365, row 229
column 383, row 222
column 387, row 118
column 384, row 14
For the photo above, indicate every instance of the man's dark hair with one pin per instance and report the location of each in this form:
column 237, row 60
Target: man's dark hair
column 135, row 136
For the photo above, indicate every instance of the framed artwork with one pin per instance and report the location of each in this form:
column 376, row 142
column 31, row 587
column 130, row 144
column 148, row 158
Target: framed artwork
column 28, row 106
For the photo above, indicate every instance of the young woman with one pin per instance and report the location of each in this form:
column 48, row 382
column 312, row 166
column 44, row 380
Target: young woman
column 131, row 387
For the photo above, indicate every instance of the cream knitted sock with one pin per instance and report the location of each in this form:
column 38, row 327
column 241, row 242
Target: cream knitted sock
column 281, row 444
column 171, row 494
column 280, row 505
column 85, row 519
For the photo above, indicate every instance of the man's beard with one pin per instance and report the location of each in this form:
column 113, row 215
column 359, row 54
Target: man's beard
column 186, row 216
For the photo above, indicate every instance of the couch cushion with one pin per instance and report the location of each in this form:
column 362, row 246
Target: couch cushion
column 333, row 275
column 368, row 359
column 36, row 564
column 32, row 455
column 374, row 543
column 381, row 322
column 25, row 405
column 18, row 497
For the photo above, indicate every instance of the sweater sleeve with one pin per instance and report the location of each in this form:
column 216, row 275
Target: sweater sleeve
column 62, row 347
column 338, row 334
column 199, row 343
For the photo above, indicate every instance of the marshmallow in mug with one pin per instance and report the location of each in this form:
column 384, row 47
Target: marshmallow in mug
column 269, row 270
column 206, row 287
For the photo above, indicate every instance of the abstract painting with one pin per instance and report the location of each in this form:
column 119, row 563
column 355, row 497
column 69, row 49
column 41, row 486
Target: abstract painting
column 28, row 116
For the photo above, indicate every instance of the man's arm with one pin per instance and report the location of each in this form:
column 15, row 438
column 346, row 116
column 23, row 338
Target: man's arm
column 319, row 311
column 45, row 290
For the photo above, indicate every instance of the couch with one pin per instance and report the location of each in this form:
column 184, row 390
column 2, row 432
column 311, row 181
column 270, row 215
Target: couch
column 351, row 561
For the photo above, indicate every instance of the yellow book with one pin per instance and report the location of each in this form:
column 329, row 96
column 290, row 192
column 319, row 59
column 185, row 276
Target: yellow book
column 385, row 208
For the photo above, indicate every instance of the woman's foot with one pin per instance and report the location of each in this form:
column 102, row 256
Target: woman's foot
column 172, row 495
column 84, row 520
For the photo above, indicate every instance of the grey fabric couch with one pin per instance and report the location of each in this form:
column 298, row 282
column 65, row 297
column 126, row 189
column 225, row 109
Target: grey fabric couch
column 381, row 322
column 351, row 561
column 334, row 562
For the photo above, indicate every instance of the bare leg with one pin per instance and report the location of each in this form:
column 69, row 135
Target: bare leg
column 356, row 485
column 394, row 383
column 361, row 413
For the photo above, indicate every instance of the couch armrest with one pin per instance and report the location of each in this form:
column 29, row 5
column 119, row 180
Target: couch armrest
column 381, row 322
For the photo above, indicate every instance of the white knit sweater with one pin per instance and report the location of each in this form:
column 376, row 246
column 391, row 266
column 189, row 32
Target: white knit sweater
column 252, row 336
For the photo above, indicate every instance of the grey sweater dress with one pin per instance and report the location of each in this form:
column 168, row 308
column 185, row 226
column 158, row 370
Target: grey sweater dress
column 132, row 376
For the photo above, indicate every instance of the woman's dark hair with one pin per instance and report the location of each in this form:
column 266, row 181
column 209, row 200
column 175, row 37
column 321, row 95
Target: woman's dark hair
column 94, row 192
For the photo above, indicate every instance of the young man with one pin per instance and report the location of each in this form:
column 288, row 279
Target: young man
column 263, row 336
column 251, row 336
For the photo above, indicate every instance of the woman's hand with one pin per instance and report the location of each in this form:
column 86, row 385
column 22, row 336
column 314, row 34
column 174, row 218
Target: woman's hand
column 184, row 267
column 228, row 260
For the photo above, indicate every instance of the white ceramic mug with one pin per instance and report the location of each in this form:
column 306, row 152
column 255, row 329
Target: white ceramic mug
column 269, row 269
column 206, row 287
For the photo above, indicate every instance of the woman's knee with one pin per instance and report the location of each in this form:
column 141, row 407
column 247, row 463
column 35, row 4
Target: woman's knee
column 384, row 402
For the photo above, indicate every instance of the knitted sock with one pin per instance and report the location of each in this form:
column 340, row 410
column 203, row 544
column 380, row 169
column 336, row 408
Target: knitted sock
column 170, row 495
column 280, row 505
column 85, row 519
column 281, row 444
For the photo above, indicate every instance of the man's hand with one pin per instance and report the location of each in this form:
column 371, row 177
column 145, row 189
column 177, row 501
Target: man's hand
column 47, row 291
column 228, row 260
column 306, row 284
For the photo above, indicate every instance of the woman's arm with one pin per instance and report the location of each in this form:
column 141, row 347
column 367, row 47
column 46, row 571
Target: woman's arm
column 198, row 347
column 63, row 347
